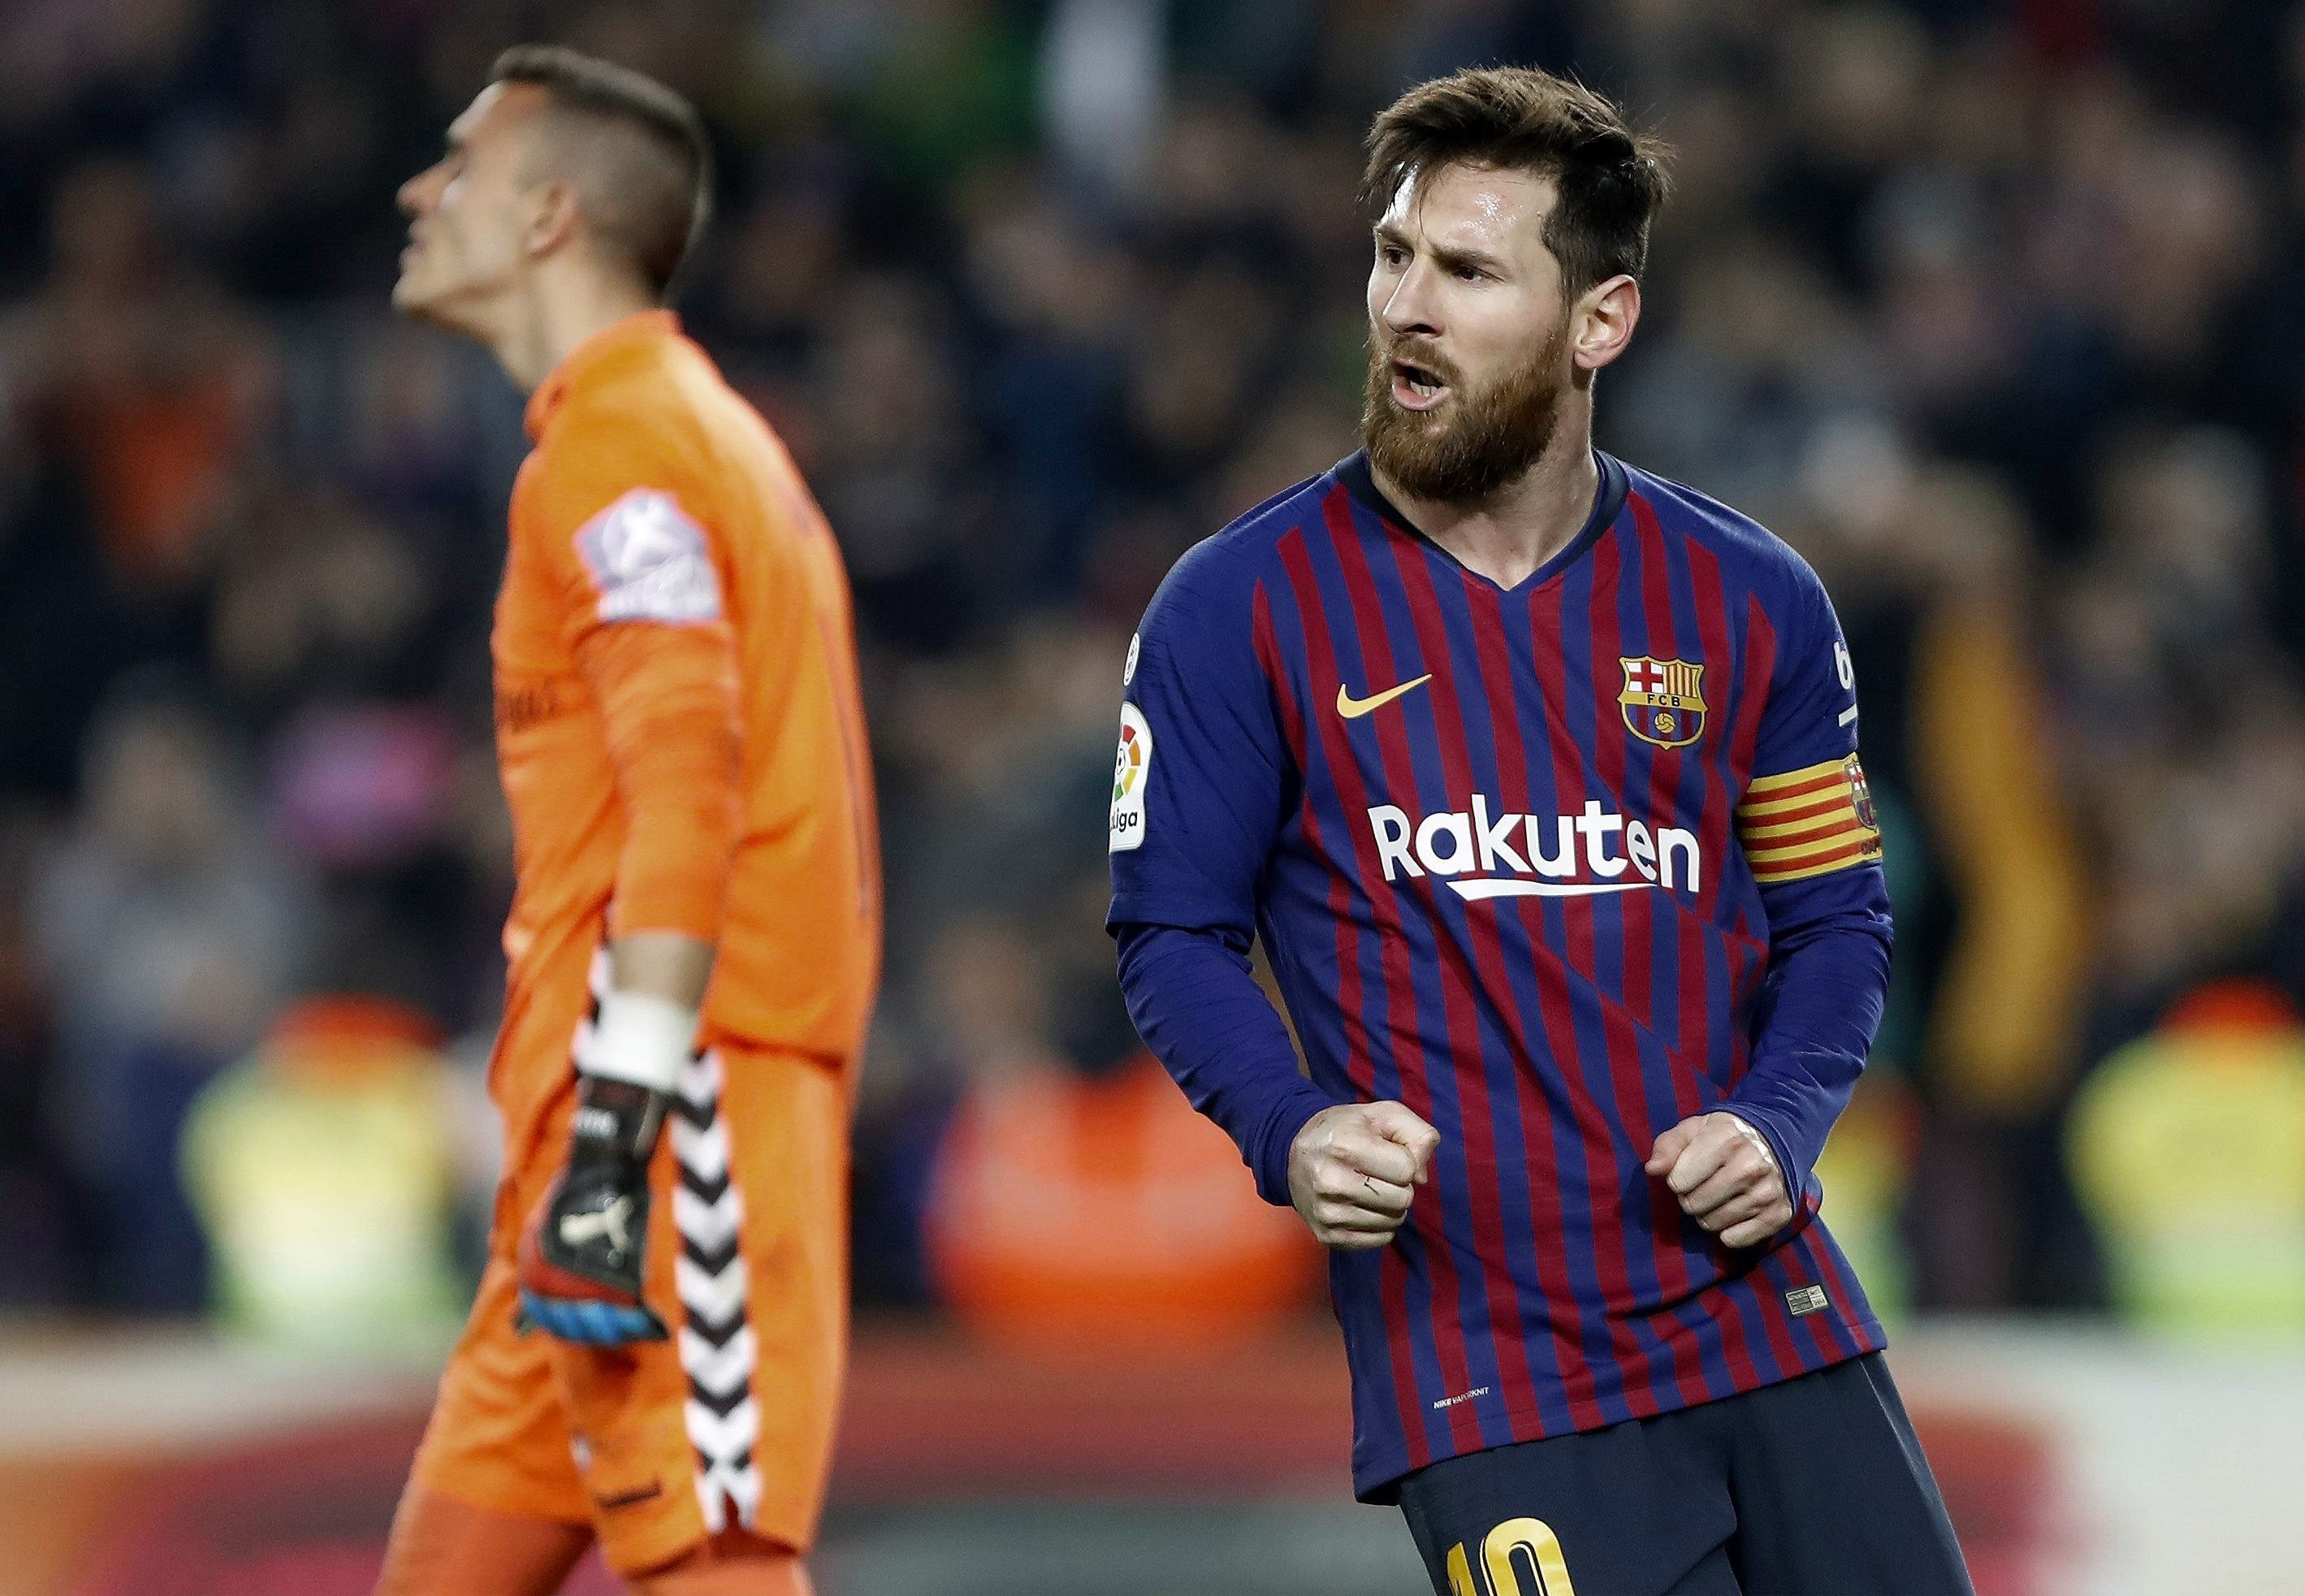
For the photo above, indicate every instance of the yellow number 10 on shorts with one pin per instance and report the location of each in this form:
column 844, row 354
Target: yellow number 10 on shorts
column 1530, row 1536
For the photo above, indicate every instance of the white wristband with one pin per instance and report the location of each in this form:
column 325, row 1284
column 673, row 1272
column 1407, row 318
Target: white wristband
column 639, row 1039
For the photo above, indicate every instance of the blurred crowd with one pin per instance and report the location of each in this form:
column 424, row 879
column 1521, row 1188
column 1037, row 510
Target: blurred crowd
column 1994, row 308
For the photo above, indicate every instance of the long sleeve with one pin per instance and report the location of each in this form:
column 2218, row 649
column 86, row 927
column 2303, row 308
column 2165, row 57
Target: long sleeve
column 1808, row 830
column 1201, row 782
column 1199, row 1008
column 647, row 627
column 668, row 696
column 1821, row 1003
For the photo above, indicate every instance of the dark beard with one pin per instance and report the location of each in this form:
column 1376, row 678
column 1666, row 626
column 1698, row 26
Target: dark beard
column 1488, row 443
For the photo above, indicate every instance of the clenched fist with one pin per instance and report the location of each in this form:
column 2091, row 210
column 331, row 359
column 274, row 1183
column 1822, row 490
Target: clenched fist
column 1354, row 1169
column 1725, row 1177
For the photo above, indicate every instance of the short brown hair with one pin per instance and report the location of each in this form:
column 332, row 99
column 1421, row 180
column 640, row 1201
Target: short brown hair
column 1611, row 179
column 645, row 183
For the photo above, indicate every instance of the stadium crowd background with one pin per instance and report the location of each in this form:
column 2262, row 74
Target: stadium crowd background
column 1996, row 311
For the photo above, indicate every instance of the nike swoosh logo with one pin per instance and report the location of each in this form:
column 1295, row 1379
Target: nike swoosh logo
column 1511, row 886
column 1353, row 708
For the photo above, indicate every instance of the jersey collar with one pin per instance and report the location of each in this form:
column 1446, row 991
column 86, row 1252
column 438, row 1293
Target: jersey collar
column 612, row 344
column 1359, row 481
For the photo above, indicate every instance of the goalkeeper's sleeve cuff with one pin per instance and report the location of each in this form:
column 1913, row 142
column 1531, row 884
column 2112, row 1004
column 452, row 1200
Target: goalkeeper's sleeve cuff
column 639, row 1039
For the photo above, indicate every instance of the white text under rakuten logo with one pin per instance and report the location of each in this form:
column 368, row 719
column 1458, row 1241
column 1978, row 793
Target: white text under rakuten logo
column 1504, row 855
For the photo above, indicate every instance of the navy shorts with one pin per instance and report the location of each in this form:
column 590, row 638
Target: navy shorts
column 1816, row 1487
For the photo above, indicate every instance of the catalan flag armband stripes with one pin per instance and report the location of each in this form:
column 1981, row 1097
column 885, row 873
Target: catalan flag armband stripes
column 1808, row 822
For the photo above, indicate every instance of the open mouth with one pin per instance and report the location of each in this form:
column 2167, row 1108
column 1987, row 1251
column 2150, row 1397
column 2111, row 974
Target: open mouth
column 1417, row 387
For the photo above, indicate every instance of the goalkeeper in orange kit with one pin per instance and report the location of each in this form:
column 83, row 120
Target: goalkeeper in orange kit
column 656, row 1350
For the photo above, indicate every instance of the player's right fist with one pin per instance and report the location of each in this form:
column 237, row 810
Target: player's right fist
column 1354, row 1169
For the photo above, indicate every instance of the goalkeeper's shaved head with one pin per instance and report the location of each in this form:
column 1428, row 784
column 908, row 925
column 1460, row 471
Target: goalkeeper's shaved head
column 635, row 152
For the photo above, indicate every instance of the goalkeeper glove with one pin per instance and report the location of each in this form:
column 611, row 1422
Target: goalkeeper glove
column 581, row 1261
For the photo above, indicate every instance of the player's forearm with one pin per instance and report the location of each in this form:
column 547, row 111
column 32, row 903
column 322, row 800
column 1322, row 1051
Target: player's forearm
column 1828, row 981
column 1198, row 1007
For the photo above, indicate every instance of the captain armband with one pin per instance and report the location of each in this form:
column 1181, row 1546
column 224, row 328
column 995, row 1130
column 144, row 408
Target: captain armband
column 1808, row 822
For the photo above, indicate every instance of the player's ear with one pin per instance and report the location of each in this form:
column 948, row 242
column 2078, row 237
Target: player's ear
column 1601, row 321
column 553, row 217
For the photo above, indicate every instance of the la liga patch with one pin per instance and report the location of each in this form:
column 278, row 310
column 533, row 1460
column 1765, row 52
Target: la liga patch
column 650, row 562
column 1132, row 767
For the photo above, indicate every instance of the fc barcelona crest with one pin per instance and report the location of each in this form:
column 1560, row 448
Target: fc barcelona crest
column 1860, row 795
column 1663, row 700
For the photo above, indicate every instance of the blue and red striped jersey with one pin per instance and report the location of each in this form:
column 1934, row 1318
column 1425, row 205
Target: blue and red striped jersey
column 1523, row 859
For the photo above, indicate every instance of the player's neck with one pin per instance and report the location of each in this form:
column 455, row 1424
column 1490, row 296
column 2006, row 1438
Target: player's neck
column 551, row 320
column 1509, row 536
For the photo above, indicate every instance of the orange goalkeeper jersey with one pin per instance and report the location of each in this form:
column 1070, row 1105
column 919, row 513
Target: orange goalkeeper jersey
column 677, row 715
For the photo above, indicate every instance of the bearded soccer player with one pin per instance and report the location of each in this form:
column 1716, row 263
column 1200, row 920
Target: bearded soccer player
column 655, row 1352
column 1537, row 775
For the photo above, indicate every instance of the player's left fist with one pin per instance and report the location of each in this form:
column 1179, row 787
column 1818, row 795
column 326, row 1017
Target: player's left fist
column 580, row 1260
column 1724, row 1176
